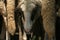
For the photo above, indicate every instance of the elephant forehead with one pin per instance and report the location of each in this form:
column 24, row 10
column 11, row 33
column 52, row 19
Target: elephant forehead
column 28, row 7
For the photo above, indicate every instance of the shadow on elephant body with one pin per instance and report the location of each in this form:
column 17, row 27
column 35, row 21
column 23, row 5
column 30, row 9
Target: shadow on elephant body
column 38, row 29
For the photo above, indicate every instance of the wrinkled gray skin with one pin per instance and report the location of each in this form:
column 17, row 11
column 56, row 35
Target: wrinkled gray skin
column 47, row 12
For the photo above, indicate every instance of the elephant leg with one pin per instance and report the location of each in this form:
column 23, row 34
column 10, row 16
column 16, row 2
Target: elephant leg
column 3, row 31
column 46, row 36
column 7, row 36
column 20, row 34
column 49, row 27
column 2, row 36
column 49, row 17
column 51, row 38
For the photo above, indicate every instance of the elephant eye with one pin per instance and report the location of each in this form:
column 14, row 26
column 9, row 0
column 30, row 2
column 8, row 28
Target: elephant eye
column 35, row 11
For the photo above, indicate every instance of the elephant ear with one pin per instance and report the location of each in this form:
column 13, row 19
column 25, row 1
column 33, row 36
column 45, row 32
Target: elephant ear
column 36, row 11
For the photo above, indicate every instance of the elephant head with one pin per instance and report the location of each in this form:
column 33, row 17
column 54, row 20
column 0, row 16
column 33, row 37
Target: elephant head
column 27, row 7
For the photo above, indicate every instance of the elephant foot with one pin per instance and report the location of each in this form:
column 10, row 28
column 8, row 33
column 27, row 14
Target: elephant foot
column 46, row 36
column 53, row 38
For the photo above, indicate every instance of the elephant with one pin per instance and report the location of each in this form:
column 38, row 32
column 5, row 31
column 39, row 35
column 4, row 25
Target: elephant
column 37, row 27
column 48, row 13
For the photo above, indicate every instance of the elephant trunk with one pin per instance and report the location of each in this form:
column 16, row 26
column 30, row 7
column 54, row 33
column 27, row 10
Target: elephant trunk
column 27, row 22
